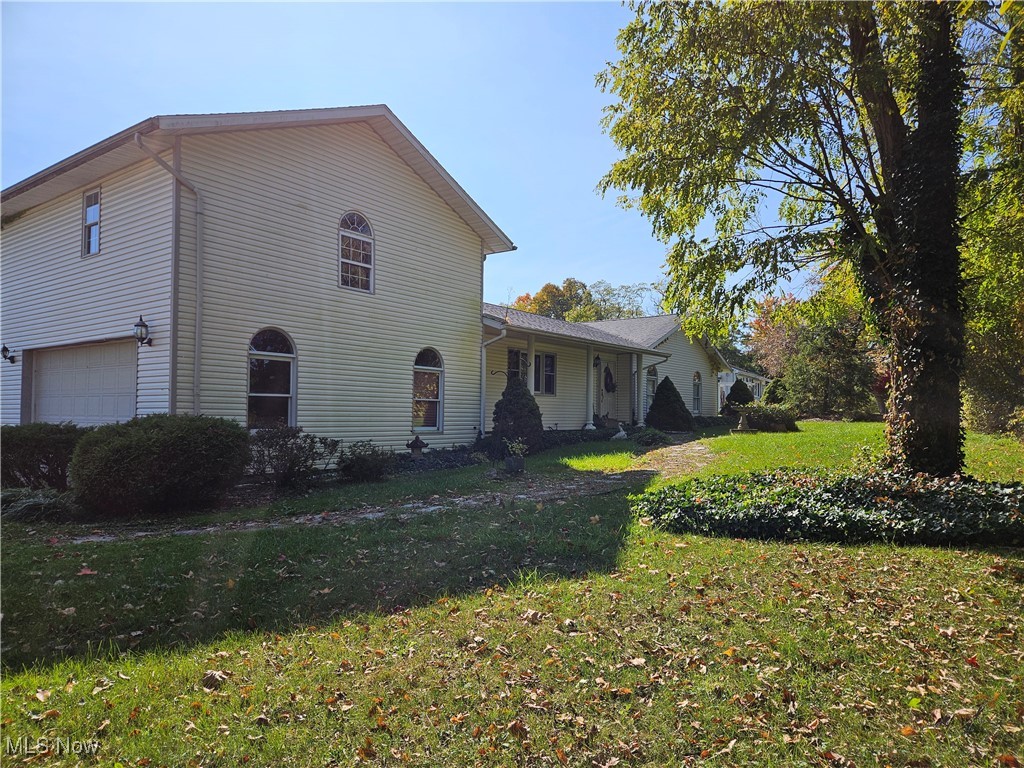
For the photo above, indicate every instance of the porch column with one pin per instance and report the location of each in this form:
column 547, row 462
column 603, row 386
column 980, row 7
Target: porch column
column 638, row 389
column 530, row 376
column 589, row 424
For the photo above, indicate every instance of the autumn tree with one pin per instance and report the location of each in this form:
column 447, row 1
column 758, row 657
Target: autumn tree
column 577, row 302
column 848, row 118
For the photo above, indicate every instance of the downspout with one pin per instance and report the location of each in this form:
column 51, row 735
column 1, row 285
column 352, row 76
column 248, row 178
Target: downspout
column 200, row 218
column 483, row 378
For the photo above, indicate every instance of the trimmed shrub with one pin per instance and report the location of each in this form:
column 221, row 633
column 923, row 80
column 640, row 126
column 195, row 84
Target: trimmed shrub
column 714, row 421
column 159, row 464
column 771, row 419
column 739, row 393
column 293, row 458
column 668, row 412
column 794, row 505
column 517, row 417
column 38, row 455
column 650, row 437
column 364, row 462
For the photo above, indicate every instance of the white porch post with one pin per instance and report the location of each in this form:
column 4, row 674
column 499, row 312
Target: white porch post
column 530, row 377
column 589, row 424
column 639, row 382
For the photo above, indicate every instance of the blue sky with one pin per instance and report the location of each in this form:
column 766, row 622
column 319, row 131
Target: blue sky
column 502, row 94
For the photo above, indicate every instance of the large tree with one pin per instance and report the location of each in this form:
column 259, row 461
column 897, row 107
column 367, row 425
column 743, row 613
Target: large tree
column 848, row 118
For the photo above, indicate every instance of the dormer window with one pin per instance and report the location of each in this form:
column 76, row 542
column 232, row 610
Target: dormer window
column 91, row 223
column 355, row 253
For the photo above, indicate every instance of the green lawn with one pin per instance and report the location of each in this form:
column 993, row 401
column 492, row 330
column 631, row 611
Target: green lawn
column 516, row 632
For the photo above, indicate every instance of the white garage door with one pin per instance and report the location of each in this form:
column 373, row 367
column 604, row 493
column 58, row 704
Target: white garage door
column 90, row 384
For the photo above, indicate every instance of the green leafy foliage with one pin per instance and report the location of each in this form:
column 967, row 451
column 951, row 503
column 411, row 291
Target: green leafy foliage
column 770, row 418
column 365, row 462
column 797, row 505
column 291, row 457
column 668, row 412
column 775, row 393
column 578, row 302
column 739, row 393
column 38, row 455
column 847, row 116
column 517, row 418
column 158, row 465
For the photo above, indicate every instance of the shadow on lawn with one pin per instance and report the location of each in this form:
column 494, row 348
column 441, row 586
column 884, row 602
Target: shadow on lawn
column 175, row 591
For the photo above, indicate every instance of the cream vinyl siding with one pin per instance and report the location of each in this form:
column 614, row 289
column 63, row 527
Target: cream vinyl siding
column 687, row 358
column 567, row 408
column 55, row 297
column 273, row 202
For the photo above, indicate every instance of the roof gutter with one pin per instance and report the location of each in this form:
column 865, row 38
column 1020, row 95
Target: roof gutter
column 200, row 221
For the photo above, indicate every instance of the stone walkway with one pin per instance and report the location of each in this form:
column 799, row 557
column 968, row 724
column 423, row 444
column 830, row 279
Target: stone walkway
column 682, row 458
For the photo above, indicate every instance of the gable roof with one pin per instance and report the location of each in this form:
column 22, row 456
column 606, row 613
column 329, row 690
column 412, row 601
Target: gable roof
column 652, row 331
column 119, row 151
column 506, row 317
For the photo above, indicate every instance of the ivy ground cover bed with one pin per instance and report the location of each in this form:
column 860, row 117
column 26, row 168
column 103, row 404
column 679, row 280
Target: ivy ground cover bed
column 519, row 633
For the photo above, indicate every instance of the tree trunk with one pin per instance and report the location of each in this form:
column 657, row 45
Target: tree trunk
column 926, row 313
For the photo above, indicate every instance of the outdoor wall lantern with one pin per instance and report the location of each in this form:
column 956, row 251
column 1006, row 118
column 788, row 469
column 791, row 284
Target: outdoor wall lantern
column 8, row 354
column 597, row 361
column 141, row 330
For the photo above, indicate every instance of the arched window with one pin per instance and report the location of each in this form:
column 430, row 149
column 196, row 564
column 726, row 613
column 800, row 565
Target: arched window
column 271, row 380
column 650, row 388
column 427, row 390
column 697, row 393
column 355, row 253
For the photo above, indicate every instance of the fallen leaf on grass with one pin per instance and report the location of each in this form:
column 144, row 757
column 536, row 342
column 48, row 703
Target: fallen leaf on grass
column 214, row 679
column 47, row 715
column 86, row 571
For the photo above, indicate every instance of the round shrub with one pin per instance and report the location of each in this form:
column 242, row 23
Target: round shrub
column 739, row 393
column 649, row 437
column 38, row 455
column 517, row 418
column 365, row 462
column 771, row 419
column 160, row 464
column 668, row 412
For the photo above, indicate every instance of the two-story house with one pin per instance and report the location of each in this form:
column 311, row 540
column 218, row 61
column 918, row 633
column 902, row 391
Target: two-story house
column 315, row 267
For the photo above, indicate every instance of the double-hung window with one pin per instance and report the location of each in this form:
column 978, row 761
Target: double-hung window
column 697, row 394
column 91, row 223
column 355, row 253
column 544, row 374
column 271, row 380
column 427, row 390
column 517, row 366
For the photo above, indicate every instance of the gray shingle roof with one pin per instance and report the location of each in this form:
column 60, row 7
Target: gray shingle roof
column 584, row 332
column 645, row 331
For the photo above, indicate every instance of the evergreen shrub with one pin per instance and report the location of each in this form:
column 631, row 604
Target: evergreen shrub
column 668, row 412
column 739, row 393
column 517, row 417
column 158, row 465
column 38, row 455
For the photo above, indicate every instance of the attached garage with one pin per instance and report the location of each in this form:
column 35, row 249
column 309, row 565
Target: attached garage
column 88, row 384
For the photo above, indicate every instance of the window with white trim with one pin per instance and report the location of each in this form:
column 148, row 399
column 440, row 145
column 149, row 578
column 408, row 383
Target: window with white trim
column 428, row 390
column 355, row 253
column 91, row 222
column 271, row 380
column 650, row 388
column 697, row 393
column 544, row 374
